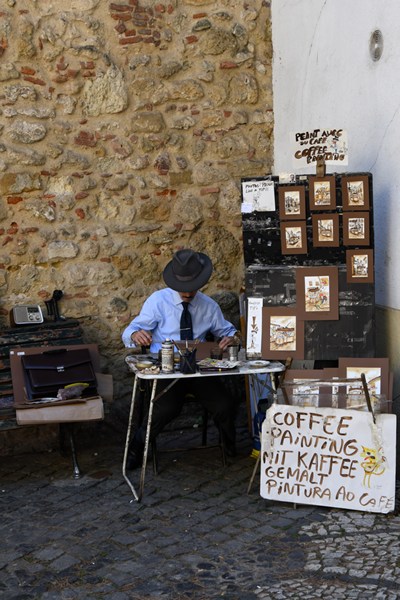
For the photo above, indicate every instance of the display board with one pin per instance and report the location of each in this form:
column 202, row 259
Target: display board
column 308, row 250
column 329, row 457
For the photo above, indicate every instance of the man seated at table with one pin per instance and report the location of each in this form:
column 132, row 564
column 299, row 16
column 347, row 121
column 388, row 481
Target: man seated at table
column 181, row 312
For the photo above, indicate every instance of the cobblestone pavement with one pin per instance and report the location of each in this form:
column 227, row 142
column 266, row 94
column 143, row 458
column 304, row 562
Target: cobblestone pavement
column 196, row 535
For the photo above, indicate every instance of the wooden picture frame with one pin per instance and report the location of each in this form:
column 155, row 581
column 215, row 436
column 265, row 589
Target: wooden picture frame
column 356, row 229
column 360, row 266
column 322, row 192
column 376, row 372
column 292, row 202
column 282, row 333
column 355, row 192
column 325, row 229
column 317, row 293
column 293, row 237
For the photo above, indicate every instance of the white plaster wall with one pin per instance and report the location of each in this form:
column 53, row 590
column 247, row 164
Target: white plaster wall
column 324, row 77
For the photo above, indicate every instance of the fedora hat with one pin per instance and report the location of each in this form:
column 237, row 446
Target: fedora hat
column 188, row 271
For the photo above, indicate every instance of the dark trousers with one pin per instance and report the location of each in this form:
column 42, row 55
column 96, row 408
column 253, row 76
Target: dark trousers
column 209, row 391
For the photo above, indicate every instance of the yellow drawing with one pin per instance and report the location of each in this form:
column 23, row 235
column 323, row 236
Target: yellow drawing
column 373, row 464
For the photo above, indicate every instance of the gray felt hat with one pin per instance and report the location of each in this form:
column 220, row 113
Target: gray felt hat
column 187, row 271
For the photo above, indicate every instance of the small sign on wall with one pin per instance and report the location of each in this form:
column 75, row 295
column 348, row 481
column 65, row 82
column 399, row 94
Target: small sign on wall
column 329, row 457
column 258, row 195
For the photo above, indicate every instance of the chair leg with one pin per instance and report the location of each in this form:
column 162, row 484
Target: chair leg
column 223, row 453
column 204, row 432
column 154, row 456
column 221, row 446
column 204, row 435
column 204, row 427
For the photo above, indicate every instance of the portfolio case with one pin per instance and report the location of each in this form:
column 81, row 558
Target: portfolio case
column 54, row 369
column 83, row 409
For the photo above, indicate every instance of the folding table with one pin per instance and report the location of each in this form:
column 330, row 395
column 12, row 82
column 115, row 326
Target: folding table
column 244, row 368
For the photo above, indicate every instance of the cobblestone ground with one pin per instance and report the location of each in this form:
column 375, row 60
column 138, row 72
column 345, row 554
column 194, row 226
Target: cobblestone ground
column 196, row 535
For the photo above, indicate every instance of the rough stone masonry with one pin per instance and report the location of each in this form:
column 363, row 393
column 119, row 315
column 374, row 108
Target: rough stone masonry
column 125, row 129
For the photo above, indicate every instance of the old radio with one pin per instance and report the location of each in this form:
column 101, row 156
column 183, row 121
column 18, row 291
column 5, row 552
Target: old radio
column 26, row 315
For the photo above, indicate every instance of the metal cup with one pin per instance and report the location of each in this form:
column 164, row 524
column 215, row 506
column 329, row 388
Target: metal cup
column 233, row 352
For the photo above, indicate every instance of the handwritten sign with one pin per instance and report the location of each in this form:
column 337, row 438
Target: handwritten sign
column 254, row 327
column 311, row 145
column 329, row 457
column 258, row 195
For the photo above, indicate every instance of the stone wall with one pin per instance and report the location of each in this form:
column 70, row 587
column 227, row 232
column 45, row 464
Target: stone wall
column 125, row 130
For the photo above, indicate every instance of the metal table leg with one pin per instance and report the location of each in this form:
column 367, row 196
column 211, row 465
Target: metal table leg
column 153, row 398
column 147, row 440
column 128, row 437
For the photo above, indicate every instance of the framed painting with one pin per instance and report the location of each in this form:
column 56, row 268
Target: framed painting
column 376, row 372
column 282, row 333
column 322, row 193
column 317, row 293
column 325, row 230
column 356, row 229
column 355, row 192
column 293, row 237
column 360, row 266
column 292, row 202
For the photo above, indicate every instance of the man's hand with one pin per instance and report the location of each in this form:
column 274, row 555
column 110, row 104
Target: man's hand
column 233, row 340
column 227, row 341
column 141, row 338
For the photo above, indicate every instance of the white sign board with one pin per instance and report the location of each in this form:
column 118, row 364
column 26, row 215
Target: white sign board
column 329, row 144
column 258, row 195
column 329, row 457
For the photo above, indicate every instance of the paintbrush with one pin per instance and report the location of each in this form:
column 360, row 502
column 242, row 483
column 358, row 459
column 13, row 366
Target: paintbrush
column 177, row 347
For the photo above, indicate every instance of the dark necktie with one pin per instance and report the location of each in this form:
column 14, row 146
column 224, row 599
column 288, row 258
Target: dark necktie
column 186, row 323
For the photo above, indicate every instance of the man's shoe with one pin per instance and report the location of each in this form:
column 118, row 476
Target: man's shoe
column 230, row 449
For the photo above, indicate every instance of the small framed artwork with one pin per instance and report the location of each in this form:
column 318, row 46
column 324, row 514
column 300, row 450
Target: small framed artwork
column 282, row 333
column 356, row 229
column 355, row 192
column 360, row 266
column 325, row 229
column 317, row 295
column 294, row 237
column 292, row 202
column 322, row 192
column 376, row 372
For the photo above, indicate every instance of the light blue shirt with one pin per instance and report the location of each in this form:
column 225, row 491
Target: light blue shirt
column 161, row 315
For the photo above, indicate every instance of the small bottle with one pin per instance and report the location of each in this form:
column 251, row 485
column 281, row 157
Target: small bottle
column 167, row 357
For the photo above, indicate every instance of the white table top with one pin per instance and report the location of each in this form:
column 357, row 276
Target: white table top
column 246, row 367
